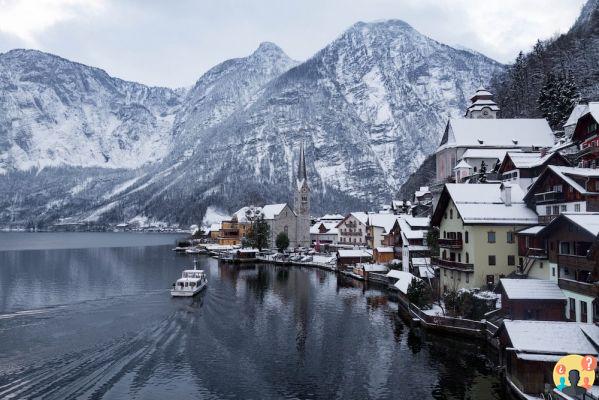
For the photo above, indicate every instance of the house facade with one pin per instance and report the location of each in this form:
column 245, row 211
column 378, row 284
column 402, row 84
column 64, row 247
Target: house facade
column 353, row 229
column 523, row 168
column 477, row 233
column 586, row 134
column 572, row 249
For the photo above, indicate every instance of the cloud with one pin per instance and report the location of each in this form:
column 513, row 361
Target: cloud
column 26, row 19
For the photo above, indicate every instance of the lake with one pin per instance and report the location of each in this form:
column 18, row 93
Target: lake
column 89, row 315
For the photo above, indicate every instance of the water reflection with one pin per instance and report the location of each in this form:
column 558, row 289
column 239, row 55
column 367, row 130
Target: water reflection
column 258, row 331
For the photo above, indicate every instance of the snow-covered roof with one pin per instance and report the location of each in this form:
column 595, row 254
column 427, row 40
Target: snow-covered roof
column 331, row 217
column 215, row 227
column 501, row 133
column 272, row 210
column 533, row 230
column 462, row 164
column 576, row 113
column 552, row 337
column 482, row 204
column 417, row 222
column 385, row 221
column 492, row 154
column 353, row 253
column 528, row 159
column 416, row 261
column 374, row 268
column 426, row 272
column 567, row 174
column 417, row 247
column 531, row 289
column 481, row 91
column 385, row 249
column 360, row 216
column 403, row 279
column 587, row 221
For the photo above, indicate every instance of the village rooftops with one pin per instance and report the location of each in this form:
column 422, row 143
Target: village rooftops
column 552, row 338
column 498, row 154
column 531, row 289
column 385, row 221
column 462, row 164
column 385, row 249
column 529, row 159
column 576, row 113
column 533, row 230
column 485, row 204
column 354, row 253
column 497, row 133
column 331, row 217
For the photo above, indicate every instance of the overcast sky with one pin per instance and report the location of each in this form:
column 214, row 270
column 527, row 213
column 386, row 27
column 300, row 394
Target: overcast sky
column 172, row 42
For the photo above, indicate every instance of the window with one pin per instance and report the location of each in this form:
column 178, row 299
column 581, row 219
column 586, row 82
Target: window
column 564, row 208
column 548, row 210
column 564, row 247
column 511, row 260
column 451, row 213
column 466, row 236
column 572, row 308
column 540, row 265
column 583, row 311
column 510, row 237
column 492, row 260
column 460, row 257
column 555, row 210
column 577, row 207
column 467, row 258
column 467, row 277
column 596, row 186
column 491, row 237
column 553, row 271
column 445, row 216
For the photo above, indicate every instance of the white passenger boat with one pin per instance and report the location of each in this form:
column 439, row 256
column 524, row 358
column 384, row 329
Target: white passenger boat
column 192, row 281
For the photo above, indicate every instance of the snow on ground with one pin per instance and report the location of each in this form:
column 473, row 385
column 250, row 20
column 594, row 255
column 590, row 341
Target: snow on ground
column 214, row 215
column 434, row 310
column 122, row 187
column 80, row 187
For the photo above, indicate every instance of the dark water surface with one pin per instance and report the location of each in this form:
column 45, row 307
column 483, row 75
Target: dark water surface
column 99, row 323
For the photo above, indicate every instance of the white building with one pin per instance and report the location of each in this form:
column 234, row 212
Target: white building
column 352, row 230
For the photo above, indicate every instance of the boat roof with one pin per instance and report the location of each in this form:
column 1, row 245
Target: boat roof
column 194, row 270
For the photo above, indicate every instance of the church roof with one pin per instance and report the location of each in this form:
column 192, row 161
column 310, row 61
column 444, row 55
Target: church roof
column 497, row 133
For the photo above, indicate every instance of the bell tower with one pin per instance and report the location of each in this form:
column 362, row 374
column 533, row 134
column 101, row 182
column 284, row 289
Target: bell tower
column 482, row 105
column 301, row 202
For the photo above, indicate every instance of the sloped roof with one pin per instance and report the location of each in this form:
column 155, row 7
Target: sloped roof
column 332, row 217
column 385, row 249
column 482, row 204
column 352, row 253
column 552, row 337
column 272, row 210
column 576, row 113
column 360, row 216
column 503, row 133
column 533, row 230
column 403, row 279
column 528, row 159
column 531, row 289
column 566, row 174
column 587, row 221
column 385, row 221
column 417, row 222
column 462, row 164
column 486, row 153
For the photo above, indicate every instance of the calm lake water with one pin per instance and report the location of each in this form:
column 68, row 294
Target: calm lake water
column 97, row 321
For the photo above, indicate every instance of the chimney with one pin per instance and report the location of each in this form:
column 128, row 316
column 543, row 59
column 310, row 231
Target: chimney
column 506, row 194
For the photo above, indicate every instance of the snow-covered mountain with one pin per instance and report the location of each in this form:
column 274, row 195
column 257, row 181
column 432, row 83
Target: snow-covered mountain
column 369, row 107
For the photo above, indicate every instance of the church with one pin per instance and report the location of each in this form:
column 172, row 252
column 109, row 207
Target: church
column 295, row 222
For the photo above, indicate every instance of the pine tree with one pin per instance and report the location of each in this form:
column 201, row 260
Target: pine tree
column 557, row 99
column 483, row 173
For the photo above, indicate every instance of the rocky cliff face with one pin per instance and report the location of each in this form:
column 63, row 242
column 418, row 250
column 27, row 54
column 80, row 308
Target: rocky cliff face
column 369, row 107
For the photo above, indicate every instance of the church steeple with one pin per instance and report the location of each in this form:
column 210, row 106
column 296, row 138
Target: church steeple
column 301, row 203
column 482, row 105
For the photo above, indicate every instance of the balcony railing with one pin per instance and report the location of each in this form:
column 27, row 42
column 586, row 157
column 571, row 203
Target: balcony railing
column 451, row 264
column 549, row 197
column 455, row 244
column 540, row 254
column 587, row 289
column 576, row 262
column 589, row 150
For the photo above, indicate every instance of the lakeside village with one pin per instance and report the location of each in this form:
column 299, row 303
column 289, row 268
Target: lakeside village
column 503, row 247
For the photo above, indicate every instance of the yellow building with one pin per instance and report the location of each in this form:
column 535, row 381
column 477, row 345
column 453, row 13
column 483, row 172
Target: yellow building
column 231, row 232
column 477, row 233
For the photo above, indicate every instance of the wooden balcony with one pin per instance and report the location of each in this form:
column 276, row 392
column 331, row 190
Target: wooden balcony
column 454, row 244
column 588, row 151
column 586, row 289
column 538, row 254
column 576, row 262
column 549, row 197
column 452, row 264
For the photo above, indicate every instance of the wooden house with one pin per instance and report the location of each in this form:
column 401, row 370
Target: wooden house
column 536, row 299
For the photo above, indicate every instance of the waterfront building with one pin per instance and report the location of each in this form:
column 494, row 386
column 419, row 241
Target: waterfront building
column 532, row 299
column 346, row 257
column 572, row 247
column 477, row 233
column 231, row 232
column 413, row 232
column 324, row 233
column 530, row 350
column 378, row 226
column 353, row 230
column 564, row 189
column 383, row 255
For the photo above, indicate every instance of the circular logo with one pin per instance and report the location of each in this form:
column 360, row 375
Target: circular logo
column 574, row 372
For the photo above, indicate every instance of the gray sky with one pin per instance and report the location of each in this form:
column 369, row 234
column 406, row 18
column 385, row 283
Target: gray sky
column 171, row 43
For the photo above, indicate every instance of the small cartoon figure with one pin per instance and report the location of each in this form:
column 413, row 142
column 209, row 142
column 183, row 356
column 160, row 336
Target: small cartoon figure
column 586, row 384
column 574, row 390
column 562, row 383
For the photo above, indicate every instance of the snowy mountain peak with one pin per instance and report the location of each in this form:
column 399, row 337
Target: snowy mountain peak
column 269, row 48
column 589, row 11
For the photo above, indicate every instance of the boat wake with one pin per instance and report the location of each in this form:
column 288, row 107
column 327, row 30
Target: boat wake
column 93, row 372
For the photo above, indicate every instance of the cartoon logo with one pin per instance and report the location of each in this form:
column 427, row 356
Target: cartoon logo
column 574, row 374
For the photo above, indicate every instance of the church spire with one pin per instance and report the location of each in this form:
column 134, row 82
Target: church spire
column 301, row 168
